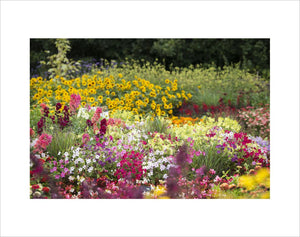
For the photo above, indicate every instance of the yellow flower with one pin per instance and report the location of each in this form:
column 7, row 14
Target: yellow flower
column 152, row 94
column 83, row 103
column 170, row 112
column 113, row 93
column 107, row 92
column 120, row 75
column 167, row 81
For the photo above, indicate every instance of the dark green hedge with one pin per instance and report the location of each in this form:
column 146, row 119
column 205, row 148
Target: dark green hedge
column 254, row 54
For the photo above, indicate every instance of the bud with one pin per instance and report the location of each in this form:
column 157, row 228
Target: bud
column 224, row 186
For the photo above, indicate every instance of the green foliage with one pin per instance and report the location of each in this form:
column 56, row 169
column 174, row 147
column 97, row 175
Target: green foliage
column 254, row 54
column 61, row 140
column 229, row 82
column 35, row 116
column 156, row 124
column 59, row 64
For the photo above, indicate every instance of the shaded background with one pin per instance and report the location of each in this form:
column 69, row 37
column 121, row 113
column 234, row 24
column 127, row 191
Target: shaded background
column 252, row 54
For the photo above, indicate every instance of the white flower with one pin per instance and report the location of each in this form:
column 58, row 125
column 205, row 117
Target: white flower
column 88, row 161
column 66, row 153
column 33, row 142
column 72, row 190
column 97, row 157
column 165, row 176
column 72, row 168
column 71, row 178
column 90, row 169
column 83, row 167
column 43, row 155
column 162, row 167
column 94, row 160
column 80, row 169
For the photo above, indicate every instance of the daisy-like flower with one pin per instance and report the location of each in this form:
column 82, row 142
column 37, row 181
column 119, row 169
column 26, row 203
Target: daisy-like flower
column 90, row 169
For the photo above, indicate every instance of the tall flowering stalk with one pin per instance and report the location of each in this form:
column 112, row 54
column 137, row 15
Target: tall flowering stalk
column 74, row 103
column 95, row 119
column 43, row 141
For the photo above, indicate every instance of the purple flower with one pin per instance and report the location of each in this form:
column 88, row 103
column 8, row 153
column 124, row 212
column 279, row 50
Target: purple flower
column 57, row 176
column 62, row 174
column 234, row 159
column 201, row 170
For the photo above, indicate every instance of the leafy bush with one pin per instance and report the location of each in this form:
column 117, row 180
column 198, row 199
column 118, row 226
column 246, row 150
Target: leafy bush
column 59, row 64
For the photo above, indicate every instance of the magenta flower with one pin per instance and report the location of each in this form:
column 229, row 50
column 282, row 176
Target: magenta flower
column 57, row 176
column 212, row 171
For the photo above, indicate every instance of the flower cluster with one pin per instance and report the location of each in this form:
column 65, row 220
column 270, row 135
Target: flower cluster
column 43, row 141
column 74, row 102
column 130, row 167
column 137, row 95
column 256, row 121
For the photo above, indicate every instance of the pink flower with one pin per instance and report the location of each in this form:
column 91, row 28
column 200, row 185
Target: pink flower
column 74, row 102
column 31, row 132
column 85, row 138
column 43, row 141
column 212, row 171
column 217, row 179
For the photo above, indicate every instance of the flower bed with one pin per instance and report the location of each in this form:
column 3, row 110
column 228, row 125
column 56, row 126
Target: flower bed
column 81, row 152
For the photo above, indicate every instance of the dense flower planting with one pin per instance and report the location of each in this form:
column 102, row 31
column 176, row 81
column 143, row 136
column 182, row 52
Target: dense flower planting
column 137, row 95
column 87, row 152
column 109, row 133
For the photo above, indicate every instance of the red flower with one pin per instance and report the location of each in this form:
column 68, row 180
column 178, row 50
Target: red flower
column 46, row 189
column 35, row 186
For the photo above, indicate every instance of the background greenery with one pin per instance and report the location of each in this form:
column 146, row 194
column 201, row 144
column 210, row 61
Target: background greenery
column 252, row 54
